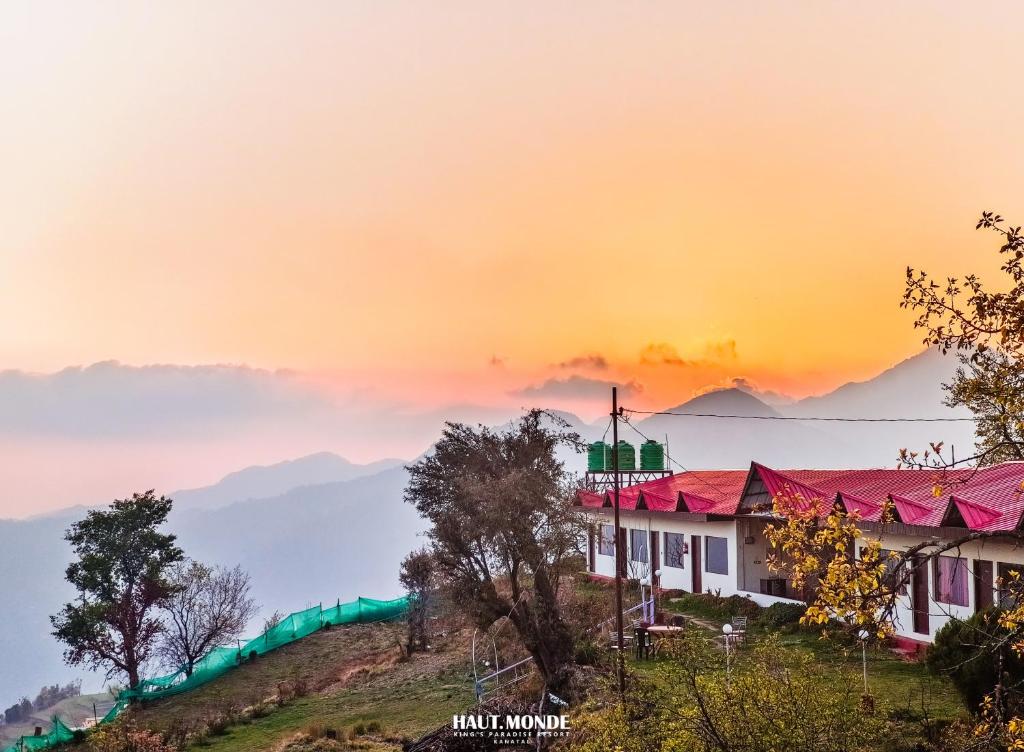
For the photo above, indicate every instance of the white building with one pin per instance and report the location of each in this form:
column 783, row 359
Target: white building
column 704, row 530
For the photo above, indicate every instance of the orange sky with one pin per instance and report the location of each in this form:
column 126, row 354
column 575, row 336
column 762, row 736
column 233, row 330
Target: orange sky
column 392, row 195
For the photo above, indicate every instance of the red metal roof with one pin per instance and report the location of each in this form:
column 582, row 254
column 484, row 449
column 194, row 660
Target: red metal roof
column 988, row 498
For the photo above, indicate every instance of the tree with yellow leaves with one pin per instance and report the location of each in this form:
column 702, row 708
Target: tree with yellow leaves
column 852, row 583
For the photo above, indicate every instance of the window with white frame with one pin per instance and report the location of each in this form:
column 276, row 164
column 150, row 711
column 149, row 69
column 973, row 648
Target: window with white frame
column 950, row 578
column 716, row 555
column 606, row 541
column 675, row 550
column 638, row 545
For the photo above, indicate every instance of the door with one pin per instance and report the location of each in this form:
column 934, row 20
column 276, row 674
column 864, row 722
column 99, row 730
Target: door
column 655, row 558
column 982, row 584
column 622, row 554
column 919, row 595
column 592, row 549
column 695, row 563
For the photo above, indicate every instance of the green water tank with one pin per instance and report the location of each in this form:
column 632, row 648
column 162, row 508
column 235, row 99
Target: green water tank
column 652, row 455
column 599, row 457
column 627, row 456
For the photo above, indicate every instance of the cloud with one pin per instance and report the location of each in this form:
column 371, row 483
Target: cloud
column 578, row 387
column 722, row 350
column 765, row 395
column 715, row 353
column 111, row 400
column 662, row 353
column 743, row 384
column 593, row 361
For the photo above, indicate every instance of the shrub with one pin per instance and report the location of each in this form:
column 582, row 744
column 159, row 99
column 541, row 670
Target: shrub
column 285, row 693
column 779, row 615
column 320, row 731
column 218, row 723
column 716, row 607
column 126, row 737
column 260, row 709
column 773, row 699
column 587, row 653
column 968, row 651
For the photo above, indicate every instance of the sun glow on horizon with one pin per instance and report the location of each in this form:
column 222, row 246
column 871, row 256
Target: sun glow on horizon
column 496, row 205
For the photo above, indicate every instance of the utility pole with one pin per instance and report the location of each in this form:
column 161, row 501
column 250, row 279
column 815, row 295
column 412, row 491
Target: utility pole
column 619, row 553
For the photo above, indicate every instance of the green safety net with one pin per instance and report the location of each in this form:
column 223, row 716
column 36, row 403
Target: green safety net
column 222, row 659
column 58, row 735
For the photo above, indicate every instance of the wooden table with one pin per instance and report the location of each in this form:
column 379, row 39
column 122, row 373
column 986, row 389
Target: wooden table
column 658, row 632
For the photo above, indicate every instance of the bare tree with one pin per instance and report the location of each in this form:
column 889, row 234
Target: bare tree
column 211, row 608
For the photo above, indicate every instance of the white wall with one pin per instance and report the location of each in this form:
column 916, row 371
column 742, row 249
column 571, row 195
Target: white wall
column 672, row 577
column 940, row 613
column 734, row 530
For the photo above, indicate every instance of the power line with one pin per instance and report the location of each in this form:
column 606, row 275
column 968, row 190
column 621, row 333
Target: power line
column 796, row 417
column 672, row 460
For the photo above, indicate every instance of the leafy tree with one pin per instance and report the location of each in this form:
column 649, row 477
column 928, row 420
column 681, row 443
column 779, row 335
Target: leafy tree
column 210, row 607
column 120, row 572
column 986, row 330
column 815, row 541
column 418, row 578
column 815, row 544
column 50, row 695
column 501, row 528
column 19, row 711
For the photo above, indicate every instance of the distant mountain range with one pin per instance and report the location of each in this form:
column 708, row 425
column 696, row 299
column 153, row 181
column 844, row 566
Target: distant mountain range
column 261, row 481
column 319, row 527
column 313, row 543
column 912, row 388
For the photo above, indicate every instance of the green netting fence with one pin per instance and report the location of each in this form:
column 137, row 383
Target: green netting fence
column 222, row 659
column 59, row 735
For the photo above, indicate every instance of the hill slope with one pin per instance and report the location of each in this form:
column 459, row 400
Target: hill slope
column 74, row 711
column 353, row 675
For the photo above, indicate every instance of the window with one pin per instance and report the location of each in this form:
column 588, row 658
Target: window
column 716, row 555
column 950, row 575
column 675, row 550
column 638, row 545
column 1009, row 587
column 606, row 546
column 895, row 576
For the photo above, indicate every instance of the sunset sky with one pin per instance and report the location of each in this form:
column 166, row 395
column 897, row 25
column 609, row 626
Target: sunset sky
column 423, row 203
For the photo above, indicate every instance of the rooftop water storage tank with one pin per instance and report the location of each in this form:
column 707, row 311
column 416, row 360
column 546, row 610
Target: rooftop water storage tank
column 599, row 457
column 652, row 455
column 627, row 456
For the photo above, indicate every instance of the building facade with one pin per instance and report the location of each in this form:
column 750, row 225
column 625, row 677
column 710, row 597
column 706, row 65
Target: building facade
column 703, row 531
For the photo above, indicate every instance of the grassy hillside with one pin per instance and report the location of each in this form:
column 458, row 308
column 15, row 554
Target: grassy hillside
column 74, row 711
column 342, row 682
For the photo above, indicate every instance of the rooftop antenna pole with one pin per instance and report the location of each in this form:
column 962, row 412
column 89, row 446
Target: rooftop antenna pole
column 620, row 665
